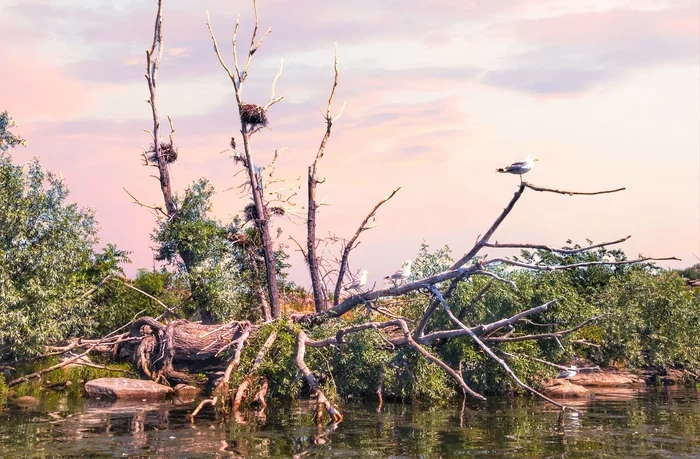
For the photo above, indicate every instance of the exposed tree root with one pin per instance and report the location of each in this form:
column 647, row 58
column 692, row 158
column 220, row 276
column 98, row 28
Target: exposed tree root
column 248, row 381
column 321, row 400
column 261, row 394
column 380, row 387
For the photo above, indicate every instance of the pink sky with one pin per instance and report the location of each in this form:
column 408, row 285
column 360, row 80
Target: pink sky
column 439, row 94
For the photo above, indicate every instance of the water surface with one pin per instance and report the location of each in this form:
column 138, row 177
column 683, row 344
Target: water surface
column 629, row 423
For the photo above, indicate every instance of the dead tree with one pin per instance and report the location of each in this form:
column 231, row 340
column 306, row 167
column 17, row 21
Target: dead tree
column 161, row 155
column 313, row 258
column 253, row 118
column 320, row 294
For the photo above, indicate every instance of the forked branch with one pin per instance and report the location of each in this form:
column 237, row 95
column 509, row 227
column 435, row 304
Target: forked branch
column 352, row 243
column 489, row 352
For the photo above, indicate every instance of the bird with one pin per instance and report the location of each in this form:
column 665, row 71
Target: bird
column 520, row 167
column 359, row 282
column 402, row 274
column 568, row 373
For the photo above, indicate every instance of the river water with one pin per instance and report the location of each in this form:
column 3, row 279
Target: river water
column 633, row 423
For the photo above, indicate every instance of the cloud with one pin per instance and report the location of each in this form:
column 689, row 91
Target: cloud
column 34, row 88
column 576, row 52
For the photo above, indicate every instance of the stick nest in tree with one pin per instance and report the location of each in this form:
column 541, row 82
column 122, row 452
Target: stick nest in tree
column 253, row 115
column 168, row 151
column 250, row 213
column 278, row 211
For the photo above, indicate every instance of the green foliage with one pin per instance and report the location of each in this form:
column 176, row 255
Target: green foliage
column 222, row 263
column 7, row 139
column 76, row 376
column 114, row 304
column 279, row 365
column 654, row 321
column 3, row 391
column 45, row 251
column 692, row 272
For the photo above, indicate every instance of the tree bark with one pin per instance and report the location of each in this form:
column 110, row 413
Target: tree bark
column 262, row 223
column 320, row 300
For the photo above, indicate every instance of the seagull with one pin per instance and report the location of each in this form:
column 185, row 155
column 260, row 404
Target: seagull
column 568, row 373
column 402, row 274
column 359, row 282
column 520, row 167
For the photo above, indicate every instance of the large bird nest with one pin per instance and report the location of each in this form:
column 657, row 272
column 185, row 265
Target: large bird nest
column 278, row 211
column 250, row 213
column 253, row 115
column 167, row 150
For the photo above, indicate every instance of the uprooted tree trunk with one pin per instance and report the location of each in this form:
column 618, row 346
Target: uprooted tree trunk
column 174, row 352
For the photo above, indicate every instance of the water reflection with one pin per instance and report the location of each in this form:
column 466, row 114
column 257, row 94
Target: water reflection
column 617, row 423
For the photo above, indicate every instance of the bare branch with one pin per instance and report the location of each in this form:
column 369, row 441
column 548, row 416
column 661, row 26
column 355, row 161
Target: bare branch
column 432, row 307
column 351, row 245
column 552, row 249
column 553, row 365
column 274, row 100
column 481, row 330
column 320, row 298
column 411, row 342
column 351, row 302
column 153, row 58
column 570, row 193
column 234, row 78
column 573, row 265
column 495, row 277
column 489, row 352
column 152, row 207
column 147, row 295
column 553, row 335
column 248, row 380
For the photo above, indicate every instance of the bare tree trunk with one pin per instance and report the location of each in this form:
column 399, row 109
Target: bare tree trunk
column 262, row 218
column 262, row 223
column 320, row 300
column 152, row 66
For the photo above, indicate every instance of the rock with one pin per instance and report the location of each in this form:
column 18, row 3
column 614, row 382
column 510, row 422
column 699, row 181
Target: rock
column 186, row 393
column 125, row 388
column 25, row 401
column 606, row 378
column 564, row 388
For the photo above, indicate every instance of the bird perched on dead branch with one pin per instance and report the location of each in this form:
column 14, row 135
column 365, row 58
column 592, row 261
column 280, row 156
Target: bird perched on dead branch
column 520, row 167
column 359, row 282
column 402, row 274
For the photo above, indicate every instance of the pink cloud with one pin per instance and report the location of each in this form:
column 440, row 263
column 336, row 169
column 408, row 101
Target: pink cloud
column 36, row 88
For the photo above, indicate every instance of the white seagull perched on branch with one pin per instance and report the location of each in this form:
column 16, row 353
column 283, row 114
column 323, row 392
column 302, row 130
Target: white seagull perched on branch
column 568, row 373
column 359, row 282
column 520, row 167
column 402, row 274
